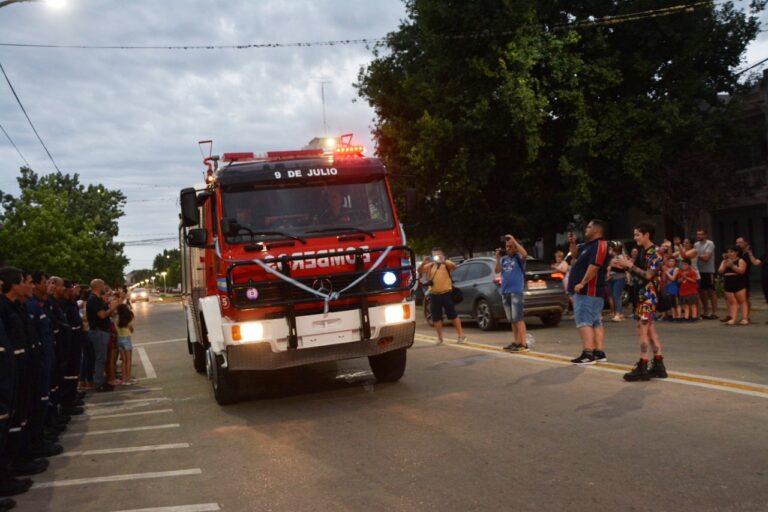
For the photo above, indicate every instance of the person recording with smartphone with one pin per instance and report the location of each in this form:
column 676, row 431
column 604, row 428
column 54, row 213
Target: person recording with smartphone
column 511, row 263
column 438, row 271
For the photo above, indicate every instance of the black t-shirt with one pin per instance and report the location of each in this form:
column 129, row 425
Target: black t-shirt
column 92, row 307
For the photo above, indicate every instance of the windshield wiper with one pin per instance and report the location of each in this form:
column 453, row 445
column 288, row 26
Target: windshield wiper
column 253, row 234
column 347, row 229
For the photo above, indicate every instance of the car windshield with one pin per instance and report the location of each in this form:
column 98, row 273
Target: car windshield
column 253, row 213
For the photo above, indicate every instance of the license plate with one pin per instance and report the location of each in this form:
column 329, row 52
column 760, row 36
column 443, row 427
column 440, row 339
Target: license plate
column 537, row 285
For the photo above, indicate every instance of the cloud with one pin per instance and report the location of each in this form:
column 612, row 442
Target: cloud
column 131, row 119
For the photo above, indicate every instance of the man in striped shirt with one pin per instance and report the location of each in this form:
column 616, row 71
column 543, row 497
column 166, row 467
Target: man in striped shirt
column 586, row 284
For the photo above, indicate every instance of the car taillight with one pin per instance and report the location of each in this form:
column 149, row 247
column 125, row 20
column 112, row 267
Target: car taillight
column 557, row 275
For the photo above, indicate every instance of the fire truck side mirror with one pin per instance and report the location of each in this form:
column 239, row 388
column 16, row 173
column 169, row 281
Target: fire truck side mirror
column 411, row 201
column 197, row 237
column 190, row 215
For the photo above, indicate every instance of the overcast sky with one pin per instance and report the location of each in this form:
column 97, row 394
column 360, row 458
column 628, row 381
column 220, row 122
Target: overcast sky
column 131, row 119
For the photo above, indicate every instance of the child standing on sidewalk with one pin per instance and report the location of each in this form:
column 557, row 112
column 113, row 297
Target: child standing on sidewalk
column 689, row 291
column 124, row 343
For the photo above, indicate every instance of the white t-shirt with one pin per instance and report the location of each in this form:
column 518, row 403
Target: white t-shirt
column 703, row 248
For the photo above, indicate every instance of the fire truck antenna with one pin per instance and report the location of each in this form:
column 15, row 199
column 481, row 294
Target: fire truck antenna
column 322, row 97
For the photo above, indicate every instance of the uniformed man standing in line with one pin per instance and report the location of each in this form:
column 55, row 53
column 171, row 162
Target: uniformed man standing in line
column 40, row 318
column 66, row 395
column 69, row 394
column 16, row 288
column 8, row 486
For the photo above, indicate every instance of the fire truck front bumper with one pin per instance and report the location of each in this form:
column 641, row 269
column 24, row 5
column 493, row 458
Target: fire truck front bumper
column 260, row 356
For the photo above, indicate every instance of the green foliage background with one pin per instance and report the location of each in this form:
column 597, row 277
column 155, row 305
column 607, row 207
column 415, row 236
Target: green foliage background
column 63, row 227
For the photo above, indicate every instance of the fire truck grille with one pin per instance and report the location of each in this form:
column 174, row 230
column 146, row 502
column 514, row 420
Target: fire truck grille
column 279, row 292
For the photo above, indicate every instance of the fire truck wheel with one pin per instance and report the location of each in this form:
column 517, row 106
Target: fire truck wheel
column 198, row 357
column 389, row 366
column 225, row 383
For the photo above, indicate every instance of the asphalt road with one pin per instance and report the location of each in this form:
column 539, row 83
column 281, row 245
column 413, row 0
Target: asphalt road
column 467, row 428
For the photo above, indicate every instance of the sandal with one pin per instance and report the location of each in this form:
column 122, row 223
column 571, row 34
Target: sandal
column 744, row 322
column 729, row 324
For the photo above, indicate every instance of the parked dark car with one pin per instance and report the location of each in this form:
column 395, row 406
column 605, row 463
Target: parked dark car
column 544, row 293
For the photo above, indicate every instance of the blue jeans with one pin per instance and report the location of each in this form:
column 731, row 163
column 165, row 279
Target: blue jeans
column 88, row 359
column 587, row 311
column 617, row 288
column 100, row 341
column 513, row 306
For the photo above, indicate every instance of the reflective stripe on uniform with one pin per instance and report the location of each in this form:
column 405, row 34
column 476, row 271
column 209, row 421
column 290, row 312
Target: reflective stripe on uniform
column 71, row 377
column 44, row 398
column 2, row 349
column 76, row 328
column 55, row 331
column 43, row 317
column 19, row 351
column 4, row 416
column 14, row 429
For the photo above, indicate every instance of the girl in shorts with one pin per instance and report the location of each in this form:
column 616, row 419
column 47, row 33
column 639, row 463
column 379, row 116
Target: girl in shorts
column 124, row 332
column 689, row 290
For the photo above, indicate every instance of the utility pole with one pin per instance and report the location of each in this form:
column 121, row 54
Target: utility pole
column 322, row 96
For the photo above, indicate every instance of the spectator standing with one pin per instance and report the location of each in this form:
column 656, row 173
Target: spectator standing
column 672, row 286
column 745, row 251
column 705, row 250
column 647, row 267
column 438, row 271
column 98, row 313
column 587, row 286
column 124, row 344
column 689, row 291
column 512, row 268
column 617, row 281
column 734, row 271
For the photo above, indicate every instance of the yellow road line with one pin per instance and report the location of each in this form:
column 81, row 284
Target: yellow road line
column 714, row 382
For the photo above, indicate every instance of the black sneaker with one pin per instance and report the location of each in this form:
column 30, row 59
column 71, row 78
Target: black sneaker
column 71, row 410
column 6, row 504
column 110, row 387
column 519, row 348
column 13, row 486
column 599, row 356
column 639, row 372
column 46, row 449
column 584, row 358
column 656, row 369
column 30, row 467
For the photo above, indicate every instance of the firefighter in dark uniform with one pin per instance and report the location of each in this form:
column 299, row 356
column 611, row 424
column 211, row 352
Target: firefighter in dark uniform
column 16, row 288
column 40, row 315
column 66, row 395
column 8, row 486
column 71, row 369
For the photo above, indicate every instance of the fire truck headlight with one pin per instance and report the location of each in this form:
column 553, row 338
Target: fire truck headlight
column 389, row 278
column 248, row 331
column 397, row 313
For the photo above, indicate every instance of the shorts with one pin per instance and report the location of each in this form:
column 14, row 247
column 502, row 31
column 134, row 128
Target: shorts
column 587, row 311
column 124, row 343
column 707, row 281
column 689, row 300
column 513, row 306
column 440, row 302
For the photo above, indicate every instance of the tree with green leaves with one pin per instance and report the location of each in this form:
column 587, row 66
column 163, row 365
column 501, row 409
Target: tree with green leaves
column 63, row 227
column 515, row 115
column 169, row 261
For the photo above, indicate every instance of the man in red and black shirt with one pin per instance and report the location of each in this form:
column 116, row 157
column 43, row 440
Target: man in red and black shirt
column 586, row 284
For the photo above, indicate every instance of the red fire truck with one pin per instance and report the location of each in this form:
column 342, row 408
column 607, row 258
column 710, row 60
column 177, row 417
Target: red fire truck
column 293, row 258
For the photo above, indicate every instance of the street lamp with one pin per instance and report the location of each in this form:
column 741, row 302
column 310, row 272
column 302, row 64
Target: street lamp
column 165, row 289
column 153, row 282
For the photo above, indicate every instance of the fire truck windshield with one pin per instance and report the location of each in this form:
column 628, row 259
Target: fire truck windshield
column 306, row 210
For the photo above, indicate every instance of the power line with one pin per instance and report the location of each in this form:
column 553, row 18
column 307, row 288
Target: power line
column 14, row 146
column 27, row 116
column 752, row 66
column 590, row 22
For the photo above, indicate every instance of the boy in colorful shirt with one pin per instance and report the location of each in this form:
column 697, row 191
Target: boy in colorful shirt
column 647, row 267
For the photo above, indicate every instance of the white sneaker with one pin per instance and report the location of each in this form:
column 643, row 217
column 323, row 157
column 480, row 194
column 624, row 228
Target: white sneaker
column 439, row 341
column 461, row 339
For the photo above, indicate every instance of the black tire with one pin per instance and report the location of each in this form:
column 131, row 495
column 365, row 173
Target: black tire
column 389, row 366
column 198, row 357
column 484, row 316
column 226, row 389
column 428, row 311
column 551, row 319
